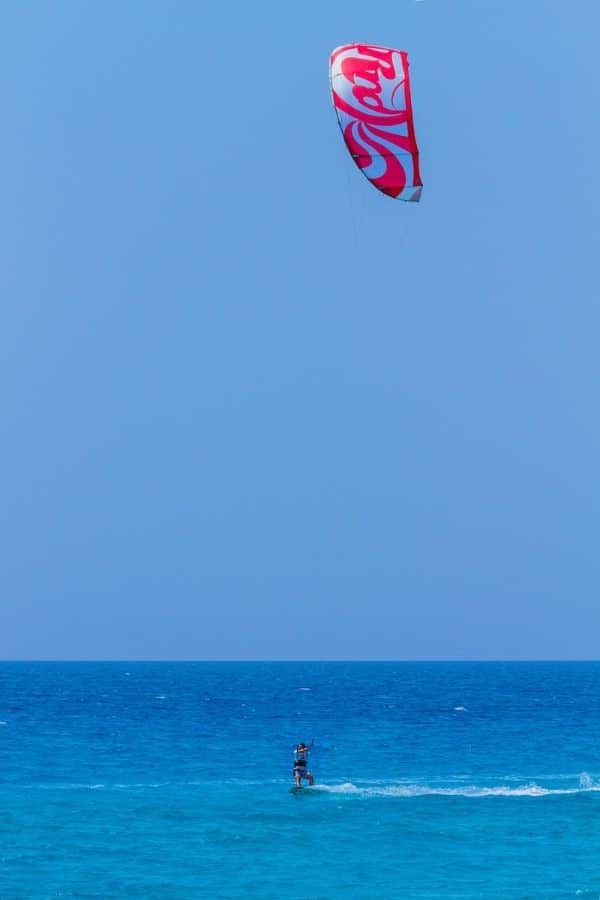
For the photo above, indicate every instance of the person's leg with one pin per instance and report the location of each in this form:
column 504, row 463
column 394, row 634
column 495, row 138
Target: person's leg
column 297, row 777
column 311, row 780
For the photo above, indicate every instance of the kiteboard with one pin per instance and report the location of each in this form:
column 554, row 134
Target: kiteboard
column 307, row 789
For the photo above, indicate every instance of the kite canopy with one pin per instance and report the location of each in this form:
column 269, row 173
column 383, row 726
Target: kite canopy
column 371, row 94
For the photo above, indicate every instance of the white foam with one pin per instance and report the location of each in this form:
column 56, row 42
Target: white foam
column 138, row 786
column 531, row 789
column 75, row 786
column 460, row 709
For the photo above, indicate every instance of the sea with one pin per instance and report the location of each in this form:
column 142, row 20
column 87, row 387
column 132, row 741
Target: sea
column 172, row 780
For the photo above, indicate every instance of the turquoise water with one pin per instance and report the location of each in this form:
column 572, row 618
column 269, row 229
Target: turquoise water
column 172, row 780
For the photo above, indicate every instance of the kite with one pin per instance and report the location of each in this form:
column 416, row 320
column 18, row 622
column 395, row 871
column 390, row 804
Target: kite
column 370, row 88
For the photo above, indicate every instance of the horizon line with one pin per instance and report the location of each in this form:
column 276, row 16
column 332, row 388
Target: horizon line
column 225, row 660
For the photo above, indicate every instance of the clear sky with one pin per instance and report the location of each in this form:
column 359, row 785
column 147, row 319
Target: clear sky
column 251, row 408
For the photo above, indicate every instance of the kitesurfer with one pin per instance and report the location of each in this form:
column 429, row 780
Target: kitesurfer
column 301, row 764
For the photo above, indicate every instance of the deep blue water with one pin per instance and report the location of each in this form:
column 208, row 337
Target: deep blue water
column 172, row 780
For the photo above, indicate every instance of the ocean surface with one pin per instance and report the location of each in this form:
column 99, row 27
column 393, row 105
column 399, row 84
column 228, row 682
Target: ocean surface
column 172, row 780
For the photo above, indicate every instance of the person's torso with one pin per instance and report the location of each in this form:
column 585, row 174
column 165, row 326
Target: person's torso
column 301, row 757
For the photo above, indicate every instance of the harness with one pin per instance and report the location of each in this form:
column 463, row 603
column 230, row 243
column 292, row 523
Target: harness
column 300, row 759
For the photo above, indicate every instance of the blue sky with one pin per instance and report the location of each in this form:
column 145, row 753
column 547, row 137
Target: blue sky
column 250, row 408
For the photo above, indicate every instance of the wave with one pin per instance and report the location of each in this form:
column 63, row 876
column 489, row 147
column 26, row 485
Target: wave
column 582, row 784
column 532, row 789
column 63, row 786
column 81, row 786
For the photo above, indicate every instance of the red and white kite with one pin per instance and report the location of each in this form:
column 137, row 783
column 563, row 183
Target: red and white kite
column 371, row 95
